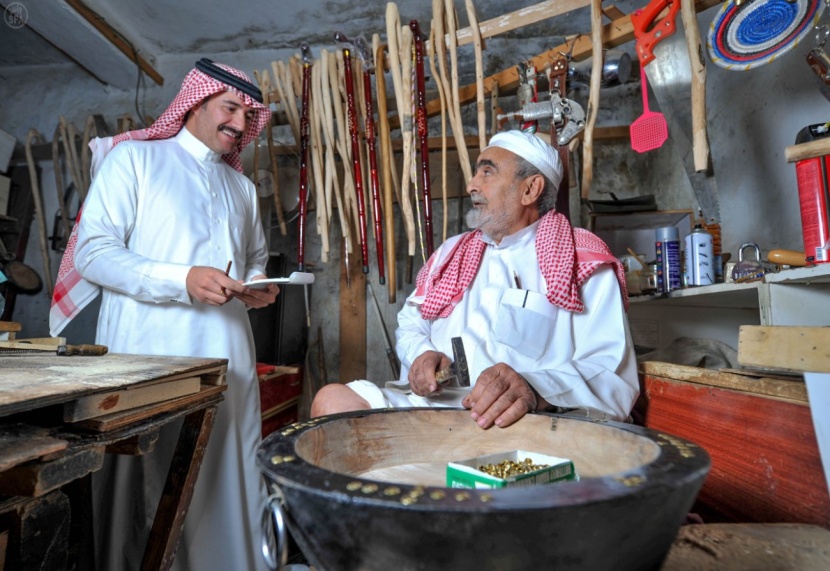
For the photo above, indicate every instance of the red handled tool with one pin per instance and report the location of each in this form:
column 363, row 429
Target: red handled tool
column 304, row 136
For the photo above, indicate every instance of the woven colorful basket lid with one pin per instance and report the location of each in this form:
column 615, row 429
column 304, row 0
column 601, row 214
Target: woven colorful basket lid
column 758, row 31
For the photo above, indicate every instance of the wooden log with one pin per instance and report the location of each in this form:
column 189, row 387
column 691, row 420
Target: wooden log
column 790, row 348
column 38, row 478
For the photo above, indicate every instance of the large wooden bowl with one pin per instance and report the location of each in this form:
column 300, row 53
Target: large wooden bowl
column 366, row 491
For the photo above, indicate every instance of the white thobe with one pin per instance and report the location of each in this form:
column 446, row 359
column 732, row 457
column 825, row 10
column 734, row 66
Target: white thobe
column 156, row 209
column 582, row 361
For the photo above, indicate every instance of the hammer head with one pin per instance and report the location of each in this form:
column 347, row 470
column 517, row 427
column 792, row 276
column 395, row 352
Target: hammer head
column 457, row 374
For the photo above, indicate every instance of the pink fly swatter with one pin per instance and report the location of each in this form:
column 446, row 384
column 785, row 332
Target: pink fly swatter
column 649, row 131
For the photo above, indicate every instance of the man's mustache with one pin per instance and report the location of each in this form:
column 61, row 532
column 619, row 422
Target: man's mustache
column 235, row 132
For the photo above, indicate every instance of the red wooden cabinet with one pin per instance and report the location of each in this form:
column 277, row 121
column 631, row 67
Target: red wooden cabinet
column 279, row 394
column 765, row 460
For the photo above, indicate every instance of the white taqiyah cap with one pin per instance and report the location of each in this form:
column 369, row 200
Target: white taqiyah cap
column 533, row 149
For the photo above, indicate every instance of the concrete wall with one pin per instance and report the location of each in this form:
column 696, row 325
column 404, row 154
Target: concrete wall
column 752, row 117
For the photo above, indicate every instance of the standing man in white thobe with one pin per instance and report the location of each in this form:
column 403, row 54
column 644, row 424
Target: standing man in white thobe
column 168, row 212
column 540, row 307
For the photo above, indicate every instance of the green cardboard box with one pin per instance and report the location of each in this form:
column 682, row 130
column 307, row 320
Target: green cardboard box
column 465, row 473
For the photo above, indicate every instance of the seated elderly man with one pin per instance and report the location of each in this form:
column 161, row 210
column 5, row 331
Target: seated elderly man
column 540, row 307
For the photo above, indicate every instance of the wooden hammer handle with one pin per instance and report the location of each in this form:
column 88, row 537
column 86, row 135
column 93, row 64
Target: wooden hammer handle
column 84, row 350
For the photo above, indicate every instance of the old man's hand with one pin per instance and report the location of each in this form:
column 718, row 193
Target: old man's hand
column 501, row 397
column 422, row 373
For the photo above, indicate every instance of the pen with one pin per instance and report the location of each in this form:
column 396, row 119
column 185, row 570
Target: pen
column 227, row 272
column 517, row 280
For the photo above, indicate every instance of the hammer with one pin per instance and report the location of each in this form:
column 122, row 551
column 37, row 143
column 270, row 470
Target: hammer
column 457, row 374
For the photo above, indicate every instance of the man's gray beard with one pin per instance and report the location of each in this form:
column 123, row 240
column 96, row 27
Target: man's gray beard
column 474, row 218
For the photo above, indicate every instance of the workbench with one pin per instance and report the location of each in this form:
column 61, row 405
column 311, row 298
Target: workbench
column 58, row 417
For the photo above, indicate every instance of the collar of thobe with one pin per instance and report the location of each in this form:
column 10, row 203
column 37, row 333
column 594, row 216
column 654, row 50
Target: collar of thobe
column 197, row 148
column 522, row 235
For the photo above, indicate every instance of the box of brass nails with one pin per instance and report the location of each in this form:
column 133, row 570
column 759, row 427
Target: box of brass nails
column 509, row 469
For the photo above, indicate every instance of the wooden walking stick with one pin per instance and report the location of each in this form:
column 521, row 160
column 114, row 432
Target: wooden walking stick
column 352, row 117
column 377, row 209
column 330, row 81
column 478, row 46
column 593, row 98
column 56, row 163
column 442, row 97
column 423, row 134
column 458, row 128
column 402, row 100
column 386, row 158
column 33, row 136
column 265, row 86
column 317, row 164
column 304, row 135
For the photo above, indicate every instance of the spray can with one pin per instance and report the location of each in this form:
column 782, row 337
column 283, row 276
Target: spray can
column 814, row 198
column 700, row 268
column 667, row 248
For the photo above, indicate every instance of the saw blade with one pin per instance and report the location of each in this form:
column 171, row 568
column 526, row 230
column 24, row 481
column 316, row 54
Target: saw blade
column 670, row 78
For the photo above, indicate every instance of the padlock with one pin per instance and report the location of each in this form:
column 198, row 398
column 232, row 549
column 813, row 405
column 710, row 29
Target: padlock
column 748, row 270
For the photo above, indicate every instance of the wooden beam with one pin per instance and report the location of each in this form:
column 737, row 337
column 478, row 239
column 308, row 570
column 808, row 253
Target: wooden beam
column 519, row 18
column 352, row 318
column 115, row 38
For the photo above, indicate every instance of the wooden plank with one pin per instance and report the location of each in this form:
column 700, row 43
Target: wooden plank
column 352, row 318
column 34, row 381
column 20, row 443
column 10, row 326
column 781, row 347
column 765, row 459
column 116, row 401
column 794, row 390
column 119, row 420
column 38, row 478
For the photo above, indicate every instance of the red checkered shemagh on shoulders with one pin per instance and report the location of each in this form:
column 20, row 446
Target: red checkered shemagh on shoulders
column 567, row 257
column 72, row 292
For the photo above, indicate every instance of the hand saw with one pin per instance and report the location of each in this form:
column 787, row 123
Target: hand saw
column 678, row 82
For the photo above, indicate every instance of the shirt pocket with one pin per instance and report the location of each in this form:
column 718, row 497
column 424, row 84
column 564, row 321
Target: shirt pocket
column 524, row 322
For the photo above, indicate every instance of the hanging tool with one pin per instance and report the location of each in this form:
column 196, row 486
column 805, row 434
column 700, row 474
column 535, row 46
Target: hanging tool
column 423, row 134
column 565, row 114
column 364, row 51
column 386, row 165
column 390, row 349
column 457, row 374
column 666, row 55
column 304, row 136
column 346, row 46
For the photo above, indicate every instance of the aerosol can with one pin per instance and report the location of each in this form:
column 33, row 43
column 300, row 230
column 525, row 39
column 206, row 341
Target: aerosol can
column 700, row 268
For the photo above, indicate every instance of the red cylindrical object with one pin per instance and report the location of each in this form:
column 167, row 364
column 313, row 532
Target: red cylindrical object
column 373, row 174
column 358, row 174
column 814, row 198
column 303, row 195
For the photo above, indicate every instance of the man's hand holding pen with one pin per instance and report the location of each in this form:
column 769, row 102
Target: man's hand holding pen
column 212, row 286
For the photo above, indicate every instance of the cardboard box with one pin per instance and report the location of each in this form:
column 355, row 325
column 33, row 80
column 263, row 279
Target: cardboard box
column 465, row 473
